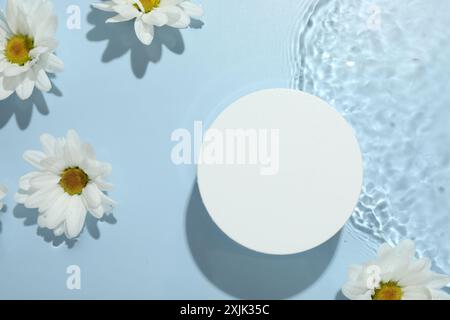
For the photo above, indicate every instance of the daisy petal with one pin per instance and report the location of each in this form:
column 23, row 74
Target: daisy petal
column 52, row 64
column 118, row 18
column 72, row 149
column 407, row 248
column 354, row 271
column 42, row 221
column 91, row 194
column 25, row 89
column 35, row 199
column 97, row 212
column 88, row 151
column 183, row 22
column 356, row 291
column 53, row 164
column 50, row 200
column 96, row 168
column 416, row 293
column 75, row 217
column 43, row 83
column 439, row 295
column 102, row 185
column 59, row 230
column 48, row 143
column 24, row 181
column 4, row 93
column 56, row 214
column 46, row 28
column 11, row 14
column 20, row 197
column 34, row 158
column 144, row 32
column 107, row 203
column 44, row 180
column 13, row 70
column 127, row 11
column 3, row 63
column 156, row 18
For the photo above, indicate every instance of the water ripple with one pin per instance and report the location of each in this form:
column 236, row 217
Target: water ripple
column 384, row 65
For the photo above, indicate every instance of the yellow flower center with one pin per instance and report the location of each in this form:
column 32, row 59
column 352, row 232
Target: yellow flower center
column 148, row 5
column 73, row 180
column 18, row 49
column 388, row 291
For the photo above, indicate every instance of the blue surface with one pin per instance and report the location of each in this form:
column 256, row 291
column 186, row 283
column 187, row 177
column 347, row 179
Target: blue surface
column 126, row 100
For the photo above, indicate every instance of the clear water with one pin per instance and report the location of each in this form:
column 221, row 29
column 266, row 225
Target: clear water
column 385, row 65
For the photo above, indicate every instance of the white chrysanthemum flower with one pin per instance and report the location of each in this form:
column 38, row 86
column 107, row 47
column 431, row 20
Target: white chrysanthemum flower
column 27, row 43
column 3, row 191
column 69, row 181
column 151, row 13
column 396, row 275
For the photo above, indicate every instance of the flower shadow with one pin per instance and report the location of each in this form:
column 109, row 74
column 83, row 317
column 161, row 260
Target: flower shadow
column 23, row 109
column 3, row 210
column 92, row 224
column 122, row 38
column 247, row 274
column 29, row 217
column 340, row 296
column 196, row 23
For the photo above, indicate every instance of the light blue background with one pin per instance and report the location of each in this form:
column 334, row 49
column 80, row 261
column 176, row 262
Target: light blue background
column 126, row 100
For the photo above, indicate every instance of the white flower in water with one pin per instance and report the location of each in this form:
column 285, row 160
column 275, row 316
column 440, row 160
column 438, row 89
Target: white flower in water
column 151, row 13
column 27, row 43
column 396, row 275
column 68, row 183
column 3, row 192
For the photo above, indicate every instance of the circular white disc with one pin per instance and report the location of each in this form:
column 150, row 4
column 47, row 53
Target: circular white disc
column 299, row 196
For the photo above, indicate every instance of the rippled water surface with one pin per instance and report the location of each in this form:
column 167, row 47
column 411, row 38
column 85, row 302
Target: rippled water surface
column 385, row 65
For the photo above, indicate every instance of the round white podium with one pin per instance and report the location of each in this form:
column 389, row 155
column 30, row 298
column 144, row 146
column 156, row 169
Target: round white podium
column 280, row 171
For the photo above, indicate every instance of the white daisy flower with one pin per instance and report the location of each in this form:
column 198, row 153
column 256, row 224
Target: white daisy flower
column 68, row 183
column 27, row 43
column 396, row 275
column 3, row 192
column 151, row 13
